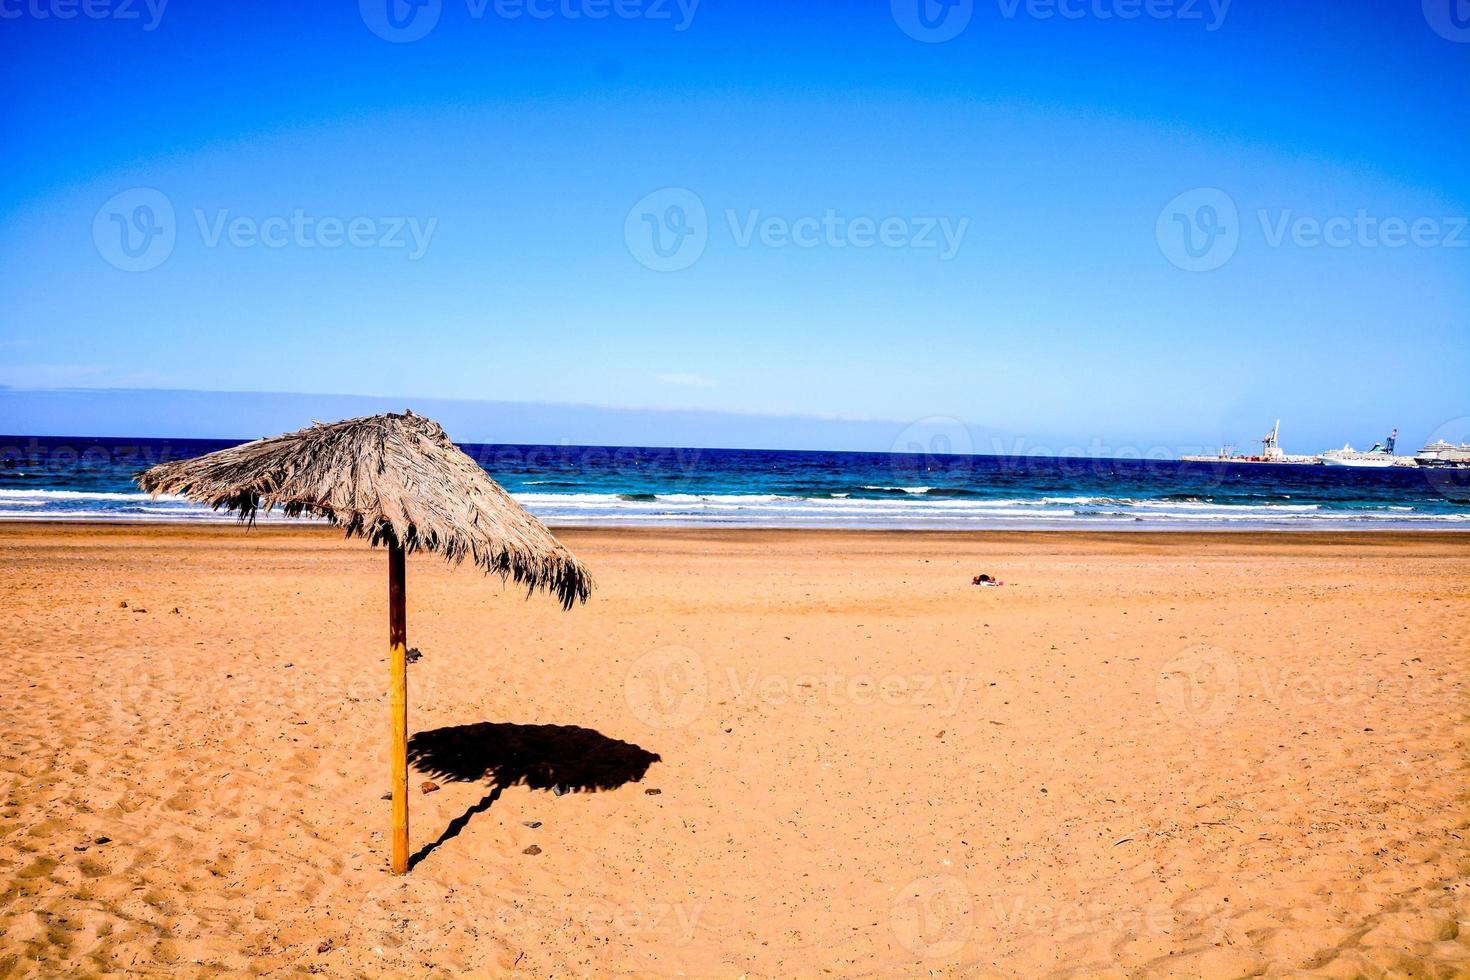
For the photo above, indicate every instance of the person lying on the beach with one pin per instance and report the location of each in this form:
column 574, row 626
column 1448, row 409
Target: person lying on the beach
column 985, row 580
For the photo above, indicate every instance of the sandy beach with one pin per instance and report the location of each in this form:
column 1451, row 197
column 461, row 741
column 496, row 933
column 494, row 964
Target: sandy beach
column 752, row 754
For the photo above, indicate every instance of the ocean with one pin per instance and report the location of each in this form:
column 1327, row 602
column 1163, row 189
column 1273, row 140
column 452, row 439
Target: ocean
column 46, row 478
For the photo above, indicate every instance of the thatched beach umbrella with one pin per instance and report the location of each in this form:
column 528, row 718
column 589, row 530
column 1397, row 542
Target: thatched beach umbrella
column 398, row 481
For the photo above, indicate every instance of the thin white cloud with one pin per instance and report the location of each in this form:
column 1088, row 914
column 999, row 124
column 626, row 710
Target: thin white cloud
column 686, row 380
column 78, row 375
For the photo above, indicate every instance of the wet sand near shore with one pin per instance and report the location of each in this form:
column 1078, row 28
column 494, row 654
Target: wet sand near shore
column 752, row 753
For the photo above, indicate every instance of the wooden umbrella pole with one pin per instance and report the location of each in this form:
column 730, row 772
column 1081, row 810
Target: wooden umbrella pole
column 398, row 686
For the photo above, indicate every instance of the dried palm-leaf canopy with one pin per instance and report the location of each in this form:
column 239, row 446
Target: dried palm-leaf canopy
column 389, row 479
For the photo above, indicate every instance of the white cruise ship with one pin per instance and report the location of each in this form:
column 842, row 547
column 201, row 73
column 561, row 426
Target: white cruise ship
column 1444, row 455
column 1381, row 455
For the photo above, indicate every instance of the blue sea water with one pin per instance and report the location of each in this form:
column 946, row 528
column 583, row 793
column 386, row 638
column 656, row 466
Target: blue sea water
column 43, row 478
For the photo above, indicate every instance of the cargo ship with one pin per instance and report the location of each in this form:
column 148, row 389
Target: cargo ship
column 1271, row 453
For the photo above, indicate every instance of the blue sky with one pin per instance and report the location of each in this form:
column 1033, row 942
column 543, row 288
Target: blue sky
column 1033, row 178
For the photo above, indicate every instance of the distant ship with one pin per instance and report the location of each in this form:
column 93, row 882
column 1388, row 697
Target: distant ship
column 1380, row 456
column 1444, row 455
column 1270, row 453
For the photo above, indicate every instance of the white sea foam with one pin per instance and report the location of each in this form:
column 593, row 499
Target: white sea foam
column 12, row 496
column 913, row 509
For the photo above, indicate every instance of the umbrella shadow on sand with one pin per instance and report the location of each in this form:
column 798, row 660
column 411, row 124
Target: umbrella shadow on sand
column 567, row 758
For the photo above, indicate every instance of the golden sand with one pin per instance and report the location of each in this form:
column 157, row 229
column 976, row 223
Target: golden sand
column 785, row 754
